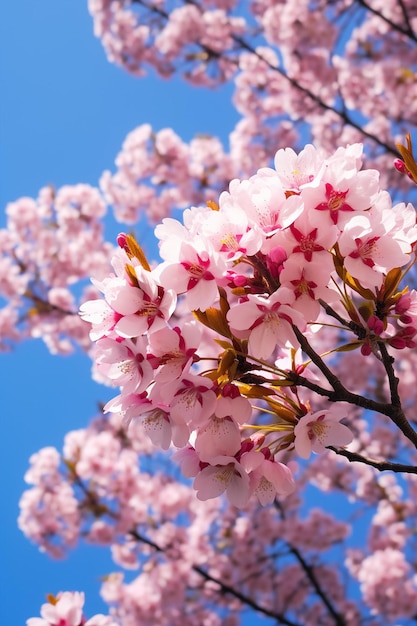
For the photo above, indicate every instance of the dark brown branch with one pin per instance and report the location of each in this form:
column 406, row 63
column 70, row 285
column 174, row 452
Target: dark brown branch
column 326, row 371
column 392, row 378
column 344, row 116
column 224, row 587
column 407, row 32
column 309, row 571
column 332, row 313
column 341, row 394
column 381, row 466
column 348, row 324
column 405, row 16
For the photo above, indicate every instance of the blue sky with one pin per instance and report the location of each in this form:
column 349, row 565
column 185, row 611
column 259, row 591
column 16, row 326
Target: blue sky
column 64, row 112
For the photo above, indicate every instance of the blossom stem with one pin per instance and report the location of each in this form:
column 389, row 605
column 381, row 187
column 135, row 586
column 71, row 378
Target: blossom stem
column 358, row 330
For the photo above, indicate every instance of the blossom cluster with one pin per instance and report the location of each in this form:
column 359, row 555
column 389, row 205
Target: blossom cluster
column 51, row 244
column 169, row 542
column 66, row 609
column 205, row 346
column 305, row 69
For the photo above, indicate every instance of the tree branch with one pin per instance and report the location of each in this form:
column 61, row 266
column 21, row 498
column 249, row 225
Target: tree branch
column 344, row 116
column 348, row 324
column 407, row 32
column 309, row 571
column 392, row 378
column 406, row 16
column 381, row 466
column 224, row 587
column 341, row 394
column 244, row 45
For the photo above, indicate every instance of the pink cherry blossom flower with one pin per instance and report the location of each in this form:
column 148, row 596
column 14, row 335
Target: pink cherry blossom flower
column 308, row 282
column 146, row 307
column 233, row 404
column 267, row 321
column 66, row 611
column 406, row 227
column 369, row 251
column 161, row 429
column 219, row 436
column 171, row 351
column 102, row 317
column 191, row 399
column 156, row 419
column 268, row 478
column 296, row 171
column 264, row 201
column 305, row 237
column 224, row 474
column 124, row 363
column 315, row 431
column 335, row 201
column 195, row 275
column 128, row 405
column 229, row 232
column 342, row 190
column 189, row 461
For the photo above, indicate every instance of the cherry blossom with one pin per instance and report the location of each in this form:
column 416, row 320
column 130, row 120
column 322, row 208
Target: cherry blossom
column 269, row 478
column 316, row 431
column 268, row 321
column 369, row 251
column 223, row 474
column 66, row 610
column 194, row 274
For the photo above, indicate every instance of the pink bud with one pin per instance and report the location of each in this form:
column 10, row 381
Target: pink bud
column 266, row 452
column 247, row 446
column 375, row 324
column 403, row 304
column 406, row 319
column 398, row 343
column 400, row 166
column 230, row 391
column 122, row 240
column 366, row 348
column 275, row 259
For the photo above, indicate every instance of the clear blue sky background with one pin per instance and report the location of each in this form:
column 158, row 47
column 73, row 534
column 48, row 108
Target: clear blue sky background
column 64, row 112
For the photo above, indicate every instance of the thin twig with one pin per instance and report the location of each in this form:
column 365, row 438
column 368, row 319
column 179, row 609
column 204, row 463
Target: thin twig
column 406, row 16
column 392, row 378
column 309, row 571
column 381, row 466
column 407, row 32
